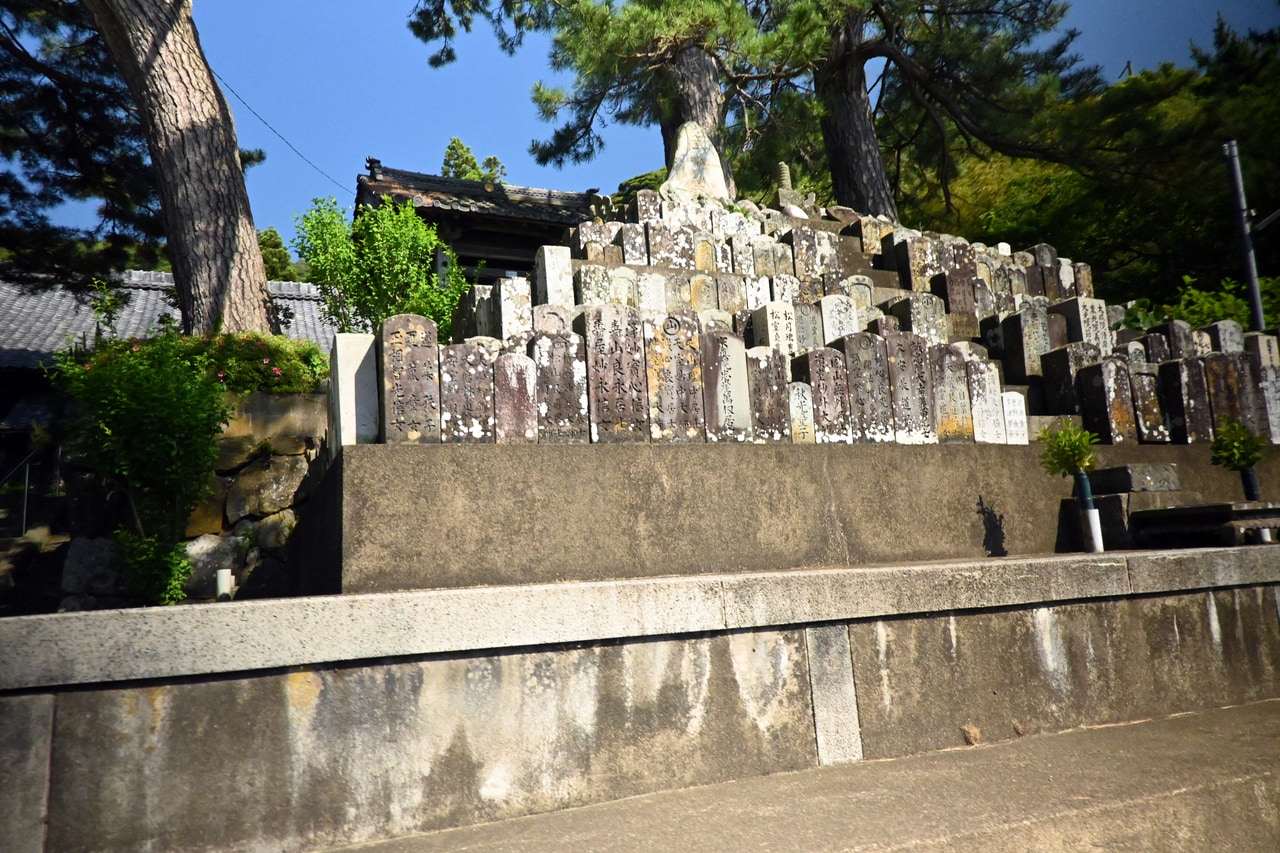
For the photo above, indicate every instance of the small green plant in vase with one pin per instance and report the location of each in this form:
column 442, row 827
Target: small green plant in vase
column 1068, row 452
column 1236, row 448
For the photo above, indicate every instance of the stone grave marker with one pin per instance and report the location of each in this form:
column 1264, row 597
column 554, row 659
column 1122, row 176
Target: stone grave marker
column 801, row 408
column 911, row 388
column 1263, row 349
column 1253, row 409
column 1156, row 348
column 1057, row 331
column 804, row 249
column 651, row 292
column 1059, row 368
column 768, row 375
column 757, row 292
column 764, row 256
column 704, row 292
column 1083, row 274
column 1148, row 414
column 919, row 259
column 617, row 389
column 985, row 402
column 662, row 246
column 774, row 324
column 808, row 327
column 956, row 289
column 1086, row 321
column 714, row 318
column 828, row 379
column 591, row 285
column 409, row 370
column 726, row 387
column 783, row 262
column 1106, row 400
column 1223, row 384
column 870, row 396
column 648, row 206
column 674, row 374
column 839, row 318
column 1025, row 337
column 679, row 292
column 1201, row 343
column 1067, row 278
column 553, row 276
column 785, row 288
column 623, row 284
column 743, row 253
column 635, row 245
column 922, row 314
column 515, row 399
column 554, row 319
column 952, row 414
column 1184, row 398
column 828, row 252
column 705, row 255
column 513, row 310
column 1179, row 336
column 731, row 292
column 1014, row 405
column 1225, row 336
column 561, row 374
column 466, row 394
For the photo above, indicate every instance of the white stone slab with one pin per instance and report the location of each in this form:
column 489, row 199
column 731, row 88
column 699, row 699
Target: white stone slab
column 353, row 390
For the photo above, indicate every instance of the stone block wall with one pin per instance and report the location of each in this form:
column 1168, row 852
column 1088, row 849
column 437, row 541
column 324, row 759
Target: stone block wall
column 268, row 459
column 701, row 322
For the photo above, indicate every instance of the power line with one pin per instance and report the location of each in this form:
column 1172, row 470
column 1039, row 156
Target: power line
column 268, row 126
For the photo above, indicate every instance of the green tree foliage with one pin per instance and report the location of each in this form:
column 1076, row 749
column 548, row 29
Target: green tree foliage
column 275, row 256
column 69, row 131
column 1148, row 198
column 381, row 264
column 460, row 162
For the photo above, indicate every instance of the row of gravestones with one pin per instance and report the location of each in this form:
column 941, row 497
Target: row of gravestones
column 620, row 378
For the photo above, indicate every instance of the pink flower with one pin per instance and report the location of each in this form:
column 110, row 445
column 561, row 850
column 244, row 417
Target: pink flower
column 136, row 347
column 220, row 374
column 266, row 361
column 276, row 371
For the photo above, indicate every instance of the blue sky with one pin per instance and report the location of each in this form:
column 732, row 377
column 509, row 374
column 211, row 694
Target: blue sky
column 342, row 81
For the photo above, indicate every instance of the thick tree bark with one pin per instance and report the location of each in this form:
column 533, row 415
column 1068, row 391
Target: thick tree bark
column 858, row 175
column 212, row 243
column 694, row 78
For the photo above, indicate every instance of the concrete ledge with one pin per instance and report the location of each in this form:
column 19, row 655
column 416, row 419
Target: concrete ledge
column 154, row 643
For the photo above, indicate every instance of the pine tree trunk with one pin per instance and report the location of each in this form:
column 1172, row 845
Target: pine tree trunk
column 697, row 97
column 858, row 175
column 212, row 243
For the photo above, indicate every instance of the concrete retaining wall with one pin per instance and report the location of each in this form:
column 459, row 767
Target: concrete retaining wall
column 291, row 725
column 396, row 517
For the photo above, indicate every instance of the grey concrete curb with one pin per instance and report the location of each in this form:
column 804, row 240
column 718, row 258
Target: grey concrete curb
column 150, row 643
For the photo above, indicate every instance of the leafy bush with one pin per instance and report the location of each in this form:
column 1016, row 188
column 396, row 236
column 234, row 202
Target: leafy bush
column 254, row 362
column 1067, row 451
column 1235, row 447
column 154, row 570
column 381, row 264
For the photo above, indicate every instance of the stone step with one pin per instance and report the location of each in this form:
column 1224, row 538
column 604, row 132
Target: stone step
column 1205, row 781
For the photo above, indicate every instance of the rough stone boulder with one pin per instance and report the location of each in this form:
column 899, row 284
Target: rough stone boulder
column 265, row 487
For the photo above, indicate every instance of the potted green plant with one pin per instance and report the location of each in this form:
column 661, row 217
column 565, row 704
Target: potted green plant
column 1236, row 448
column 1068, row 452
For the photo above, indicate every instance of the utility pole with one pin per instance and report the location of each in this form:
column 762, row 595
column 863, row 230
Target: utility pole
column 1246, row 238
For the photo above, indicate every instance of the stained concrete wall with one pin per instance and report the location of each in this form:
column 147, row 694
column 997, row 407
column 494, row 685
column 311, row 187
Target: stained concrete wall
column 1002, row 674
column 316, row 757
column 402, row 517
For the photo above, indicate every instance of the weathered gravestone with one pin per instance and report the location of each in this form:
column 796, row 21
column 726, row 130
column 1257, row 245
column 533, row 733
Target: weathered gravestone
column 561, row 365
column 515, row 399
column 1223, row 384
column 1225, row 336
column 824, row 370
column 870, row 393
column 785, row 288
column 922, row 314
column 839, row 318
column 635, row 246
column 1024, row 338
column 1148, row 414
column 1086, row 321
column 512, row 308
column 956, row 288
column 726, row 387
column 1106, row 400
column 623, row 284
column 679, row 292
column 554, row 319
column 1179, row 336
column 674, row 375
column 591, row 285
column 466, row 394
column 409, row 368
column 774, row 324
column 732, row 292
column 952, row 414
column 742, row 251
column 553, row 276
column 617, row 390
column 985, row 402
column 801, row 408
column 1156, row 348
column 1184, row 398
column 808, row 326
column 1015, row 417
column 1059, row 368
column 911, row 388
column 704, row 292
column 768, row 374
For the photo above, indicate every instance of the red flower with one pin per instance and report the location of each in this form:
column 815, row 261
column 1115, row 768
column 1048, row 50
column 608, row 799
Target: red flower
column 276, row 371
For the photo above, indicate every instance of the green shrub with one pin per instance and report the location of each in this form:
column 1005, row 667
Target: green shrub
column 254, row 362
column 381, row 264
column 154, row 570
column 1067, row 451
column 1235, row 447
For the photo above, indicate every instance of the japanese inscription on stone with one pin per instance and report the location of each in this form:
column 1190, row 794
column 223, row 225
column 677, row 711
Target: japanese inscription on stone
column 768, row 376
column 618, row 393
column 675, row 379
column 409, row 365
column 561, row 365
column 466, row 394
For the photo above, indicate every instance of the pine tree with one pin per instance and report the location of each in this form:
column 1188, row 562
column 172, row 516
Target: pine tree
column 460, row 162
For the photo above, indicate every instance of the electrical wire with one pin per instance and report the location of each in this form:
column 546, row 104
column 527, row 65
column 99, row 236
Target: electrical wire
column 268, row 126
